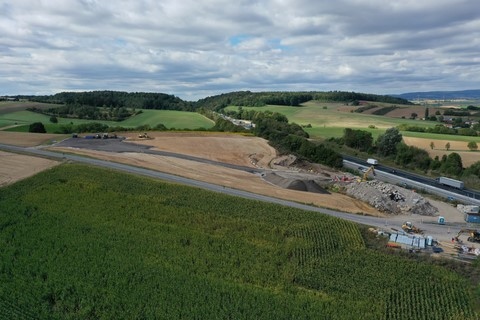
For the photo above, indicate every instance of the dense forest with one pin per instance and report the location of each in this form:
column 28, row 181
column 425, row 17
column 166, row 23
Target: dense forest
column 247, row 98
column 117, row 99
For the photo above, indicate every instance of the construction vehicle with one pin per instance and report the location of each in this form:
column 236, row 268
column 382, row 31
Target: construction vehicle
column 143, row 135
column 366, row 172
column 473, row 235
column 408, row 227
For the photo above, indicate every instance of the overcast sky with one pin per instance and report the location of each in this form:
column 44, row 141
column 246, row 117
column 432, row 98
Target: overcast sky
column 198, row 48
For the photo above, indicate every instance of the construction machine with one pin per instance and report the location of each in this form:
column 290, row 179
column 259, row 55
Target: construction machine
column 143, row 135
column 366, row 172
column 408, row 227
column 473, row 235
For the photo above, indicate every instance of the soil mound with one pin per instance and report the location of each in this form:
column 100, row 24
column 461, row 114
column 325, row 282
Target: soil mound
column 294, row 184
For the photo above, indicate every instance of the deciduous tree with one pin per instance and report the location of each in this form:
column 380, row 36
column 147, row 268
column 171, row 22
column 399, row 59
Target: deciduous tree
column 472, row 145
column 387, row 142
column 37, row 127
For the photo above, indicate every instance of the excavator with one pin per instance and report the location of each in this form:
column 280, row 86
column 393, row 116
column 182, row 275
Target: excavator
column 366, row 173
column 473, row 235
column 408, row 227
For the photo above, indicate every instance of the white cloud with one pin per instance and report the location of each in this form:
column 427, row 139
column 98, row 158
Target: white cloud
column 197, row 48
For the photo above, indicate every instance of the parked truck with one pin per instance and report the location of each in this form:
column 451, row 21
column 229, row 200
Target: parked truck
column 450, row 182
column 371, row 161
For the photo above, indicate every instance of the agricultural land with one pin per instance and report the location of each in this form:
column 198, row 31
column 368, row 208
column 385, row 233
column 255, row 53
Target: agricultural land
column 83, row 242
column 323, row 120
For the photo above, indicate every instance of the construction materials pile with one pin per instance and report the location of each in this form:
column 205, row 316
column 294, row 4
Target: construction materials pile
column 390, row 199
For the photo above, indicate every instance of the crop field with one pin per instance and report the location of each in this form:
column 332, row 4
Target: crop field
column 85, row 243
column 24, row 118
column 171, row 119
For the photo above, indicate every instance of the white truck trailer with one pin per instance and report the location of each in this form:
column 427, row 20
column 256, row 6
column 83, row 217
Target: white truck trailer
column 450, row 182
column 371, row 161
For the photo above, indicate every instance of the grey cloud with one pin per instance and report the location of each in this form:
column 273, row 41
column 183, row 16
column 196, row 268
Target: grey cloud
column 196, row 47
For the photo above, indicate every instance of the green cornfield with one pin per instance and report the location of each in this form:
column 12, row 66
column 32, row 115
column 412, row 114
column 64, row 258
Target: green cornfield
column 78, row 242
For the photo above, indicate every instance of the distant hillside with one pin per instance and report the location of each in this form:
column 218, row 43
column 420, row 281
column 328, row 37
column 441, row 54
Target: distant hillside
column 465, row 94
column 162, row 101
column 285, row 98
column 116, row 99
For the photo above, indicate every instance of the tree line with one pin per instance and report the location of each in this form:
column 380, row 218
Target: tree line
column 118, row 99
column 441, row 129
column 78, row 111
column 162, row 101
column 257, row 99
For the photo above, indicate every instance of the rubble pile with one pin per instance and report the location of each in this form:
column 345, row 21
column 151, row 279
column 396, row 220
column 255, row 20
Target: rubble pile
column 391, row 199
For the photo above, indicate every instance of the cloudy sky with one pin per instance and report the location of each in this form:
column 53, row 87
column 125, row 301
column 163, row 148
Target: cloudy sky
column 198, row 48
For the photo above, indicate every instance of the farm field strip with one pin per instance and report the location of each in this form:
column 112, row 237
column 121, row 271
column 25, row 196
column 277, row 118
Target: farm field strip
column 169, row 118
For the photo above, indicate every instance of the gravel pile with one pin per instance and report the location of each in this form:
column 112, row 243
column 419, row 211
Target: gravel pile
column 390, row 199
column 294, row 182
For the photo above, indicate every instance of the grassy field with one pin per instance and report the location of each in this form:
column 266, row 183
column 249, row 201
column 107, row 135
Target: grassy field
column 170, row 119
column 327, row 121
column 85, row 243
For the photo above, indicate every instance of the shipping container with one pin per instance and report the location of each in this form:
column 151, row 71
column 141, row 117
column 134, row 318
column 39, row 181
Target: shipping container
column 472, row 218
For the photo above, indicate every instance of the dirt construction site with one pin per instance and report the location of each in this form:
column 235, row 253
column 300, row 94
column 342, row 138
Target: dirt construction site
column 241, row 162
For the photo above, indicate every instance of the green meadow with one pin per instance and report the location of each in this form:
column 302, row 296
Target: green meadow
column 170, row 119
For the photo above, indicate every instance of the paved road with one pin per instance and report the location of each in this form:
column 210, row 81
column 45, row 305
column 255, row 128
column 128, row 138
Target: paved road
column 433, row 229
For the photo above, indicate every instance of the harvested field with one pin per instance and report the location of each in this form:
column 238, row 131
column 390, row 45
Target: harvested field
column 222, row 147
column 14, row 167
column 236, row 149
column 460, row 147
column 26, row 139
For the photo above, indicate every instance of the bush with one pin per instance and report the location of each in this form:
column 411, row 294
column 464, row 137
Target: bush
column 37, row 127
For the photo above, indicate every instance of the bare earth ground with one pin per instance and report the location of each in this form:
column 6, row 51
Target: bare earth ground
column 26, row 139
column 14, row 167
column 241, row 150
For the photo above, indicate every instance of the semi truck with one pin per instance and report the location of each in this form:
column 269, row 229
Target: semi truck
column 371, row 161
column 450, row 182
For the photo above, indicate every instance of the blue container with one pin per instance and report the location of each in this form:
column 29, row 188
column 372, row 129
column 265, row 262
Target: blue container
column 472, row 218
